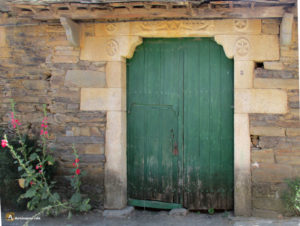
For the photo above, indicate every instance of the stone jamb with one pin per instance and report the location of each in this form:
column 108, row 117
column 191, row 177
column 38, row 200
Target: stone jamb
column 241, row 39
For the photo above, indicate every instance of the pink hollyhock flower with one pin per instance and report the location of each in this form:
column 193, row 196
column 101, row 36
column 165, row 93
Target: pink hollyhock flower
column 4, row 143
column 74, row 164
column 41, row 166
column 42, row 131
column 77, row 171
column 14, row 121
column 37, row 167
column 77, row 160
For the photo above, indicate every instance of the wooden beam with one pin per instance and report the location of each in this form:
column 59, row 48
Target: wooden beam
column 158, row 13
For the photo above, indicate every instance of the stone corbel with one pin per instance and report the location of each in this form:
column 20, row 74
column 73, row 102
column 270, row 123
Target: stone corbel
column 250, row 47
column 286, row 29
column 72, row 31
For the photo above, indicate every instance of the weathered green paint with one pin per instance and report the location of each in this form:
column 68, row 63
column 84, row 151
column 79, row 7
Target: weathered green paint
column 153, row 204
column 180, row 123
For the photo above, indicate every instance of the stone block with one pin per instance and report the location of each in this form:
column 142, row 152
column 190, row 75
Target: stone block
column 116, row 74
column 268, row 190
column 243, row 74
column 260, row 101
column 264, row 214
column 267, row 83
column 65, row 59
column 293, row 131
column 273, row 65
column 85, row 79
column 250, row 47
column 284, row 74
column 2, row 37
column 35, row 84
column 270, row 27
column 115, row 167
column 262, row 156
column 267, row 131
column 5, row 52
column 119, row 213
column 270, row 172
column 280, row 143
column 242, row 174
column 97, row 99
column 288, row 157
column 268, row 204
column 178, row 212
column 109, row 48
column 80, row 140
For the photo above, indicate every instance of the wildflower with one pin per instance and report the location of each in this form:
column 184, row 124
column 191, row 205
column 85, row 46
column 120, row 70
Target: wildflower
column 77, row 171
column 74, row 164
column 77, row 160
column 14, row 121
column 41, row 166
column 37, row 167
column 4, row 143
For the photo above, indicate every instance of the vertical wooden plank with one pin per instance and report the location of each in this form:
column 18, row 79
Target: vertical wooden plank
column 206, row 119
column 154, row 115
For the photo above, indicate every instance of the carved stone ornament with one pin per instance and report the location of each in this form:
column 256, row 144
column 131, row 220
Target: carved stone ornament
column 110, row 27
column 112, row 47
column 197, row 25
column 176, row 25
column 240, row 25
column 242, row 46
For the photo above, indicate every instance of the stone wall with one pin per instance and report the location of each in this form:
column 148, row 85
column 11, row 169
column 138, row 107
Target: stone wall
column 275, row 151
column 36, row 64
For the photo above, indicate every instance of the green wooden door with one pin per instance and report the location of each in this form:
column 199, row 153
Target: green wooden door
column 180, row 123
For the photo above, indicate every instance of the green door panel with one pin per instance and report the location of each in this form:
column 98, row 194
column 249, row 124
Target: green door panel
column 180, row 124
column 208, row 126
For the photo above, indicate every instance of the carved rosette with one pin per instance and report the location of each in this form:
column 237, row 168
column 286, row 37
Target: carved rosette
column 242, row 47
column 110, row 28
column 240, row 25
column 112, row 47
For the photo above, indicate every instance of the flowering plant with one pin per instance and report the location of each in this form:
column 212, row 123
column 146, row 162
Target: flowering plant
column 34, row 168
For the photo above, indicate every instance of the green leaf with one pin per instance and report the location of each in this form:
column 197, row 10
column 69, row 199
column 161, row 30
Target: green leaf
column 20, row 168
column 76, row 198
column 33, row 156
column 30, row 193
column 55, row 197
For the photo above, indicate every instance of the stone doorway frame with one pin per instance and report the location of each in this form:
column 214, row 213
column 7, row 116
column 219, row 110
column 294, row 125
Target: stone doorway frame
column 241, row 39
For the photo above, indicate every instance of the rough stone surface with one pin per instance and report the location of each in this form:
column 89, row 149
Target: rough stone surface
column 119, row 213
column 34, row 61
column 178, row 212
column 85, row 78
